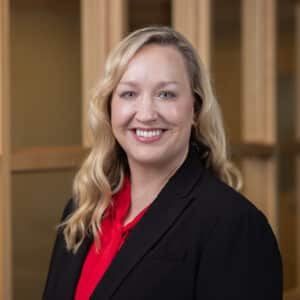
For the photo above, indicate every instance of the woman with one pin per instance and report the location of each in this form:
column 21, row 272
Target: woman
column 155, row 213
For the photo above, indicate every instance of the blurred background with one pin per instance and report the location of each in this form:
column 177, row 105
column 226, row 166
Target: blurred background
column 52, row 54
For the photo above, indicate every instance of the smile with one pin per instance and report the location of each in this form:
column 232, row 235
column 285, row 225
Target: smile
column 148, row 135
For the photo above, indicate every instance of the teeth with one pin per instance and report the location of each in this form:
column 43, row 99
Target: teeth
column 148, row 134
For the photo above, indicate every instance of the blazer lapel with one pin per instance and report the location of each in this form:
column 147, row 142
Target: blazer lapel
column 159, row 217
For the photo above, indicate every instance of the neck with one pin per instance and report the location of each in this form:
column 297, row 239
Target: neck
column 147, row 182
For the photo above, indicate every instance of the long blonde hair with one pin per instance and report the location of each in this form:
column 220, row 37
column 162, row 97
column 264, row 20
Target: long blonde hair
column 102, row 173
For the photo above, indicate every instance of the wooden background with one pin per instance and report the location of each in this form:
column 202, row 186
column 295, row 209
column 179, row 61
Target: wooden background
column 51, row 55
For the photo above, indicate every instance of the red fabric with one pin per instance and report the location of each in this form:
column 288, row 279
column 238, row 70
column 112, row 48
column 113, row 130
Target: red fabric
column 112, row 238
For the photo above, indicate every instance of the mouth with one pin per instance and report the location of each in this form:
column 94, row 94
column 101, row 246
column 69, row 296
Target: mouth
column 148, row 134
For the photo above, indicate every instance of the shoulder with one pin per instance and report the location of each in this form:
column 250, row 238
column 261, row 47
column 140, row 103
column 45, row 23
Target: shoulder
column 224, row 211
column 237, row 237
column 230, row 216
column 221, row 200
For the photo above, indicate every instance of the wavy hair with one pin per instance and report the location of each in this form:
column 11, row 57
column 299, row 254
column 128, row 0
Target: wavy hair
column 102, row 173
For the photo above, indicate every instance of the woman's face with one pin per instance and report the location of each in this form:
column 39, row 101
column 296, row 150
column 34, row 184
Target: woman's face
column 152, row 107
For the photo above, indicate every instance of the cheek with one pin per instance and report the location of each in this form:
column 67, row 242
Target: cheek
column 120, row 113
column 182, row 114
column 188, row 112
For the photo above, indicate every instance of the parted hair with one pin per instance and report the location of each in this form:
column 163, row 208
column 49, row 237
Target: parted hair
column 101, row 174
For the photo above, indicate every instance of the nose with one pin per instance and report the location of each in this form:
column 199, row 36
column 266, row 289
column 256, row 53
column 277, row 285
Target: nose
column 146, row 110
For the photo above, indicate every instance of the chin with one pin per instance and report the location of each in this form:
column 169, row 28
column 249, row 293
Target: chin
column 149, row 158
column 149, row 155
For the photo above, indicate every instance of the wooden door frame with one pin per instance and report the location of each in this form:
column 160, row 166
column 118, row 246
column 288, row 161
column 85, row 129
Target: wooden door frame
column 5, row 178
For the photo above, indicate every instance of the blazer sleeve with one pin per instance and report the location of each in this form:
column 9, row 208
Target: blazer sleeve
column 69, row 208
column 241, row 260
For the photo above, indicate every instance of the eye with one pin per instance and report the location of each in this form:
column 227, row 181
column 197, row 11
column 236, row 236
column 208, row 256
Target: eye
column 128, row 94
column 166, row 95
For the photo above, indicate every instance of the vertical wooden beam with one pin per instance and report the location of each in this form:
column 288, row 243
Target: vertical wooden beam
column 297, row 110
column 117, row 21
column 261, row 185
column 193, row 19
column 297, row 53
column 5, row 181
column 178, row 15
column 103, row 23
column 204, row 31
column 189, row 25
column 258, row 39
column 298, row 221
column 259, row 103
column 94, row 44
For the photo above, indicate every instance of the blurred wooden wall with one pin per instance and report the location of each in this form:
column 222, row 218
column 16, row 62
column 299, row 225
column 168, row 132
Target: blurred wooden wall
column 52, row 54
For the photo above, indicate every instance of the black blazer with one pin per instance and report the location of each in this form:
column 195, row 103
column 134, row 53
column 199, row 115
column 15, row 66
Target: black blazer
column 199, row 239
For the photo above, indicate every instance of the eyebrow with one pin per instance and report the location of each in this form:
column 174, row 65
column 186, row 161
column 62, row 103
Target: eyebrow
column 159, row 84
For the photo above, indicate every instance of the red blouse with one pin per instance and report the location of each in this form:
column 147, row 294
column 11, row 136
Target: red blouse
column 112, row 238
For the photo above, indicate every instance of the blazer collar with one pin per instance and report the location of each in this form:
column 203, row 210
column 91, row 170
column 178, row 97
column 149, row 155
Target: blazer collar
column 159, row 217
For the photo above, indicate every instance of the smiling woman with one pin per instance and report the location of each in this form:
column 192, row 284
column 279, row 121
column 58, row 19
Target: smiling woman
column 154, row 127
column 156, row 212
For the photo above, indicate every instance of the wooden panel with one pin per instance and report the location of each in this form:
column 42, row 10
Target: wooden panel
column 204, row 30
column 94, row 49
column 258, row 41
column 252, row 149
column 5, row 180
column 265, row 150
column 297, row 14
column 177, row 15
column 292, row 294
column 192, row 18
column 260, row 176
column 147, row 12
column 45, row 69
column 297, row 85
column 226, row 63
column 3, row 66
column 117, row 21
column 298, row 220
column 258, row 103
column 103, row 25
column 38, row 199
column 189, row 25
column 54, row 158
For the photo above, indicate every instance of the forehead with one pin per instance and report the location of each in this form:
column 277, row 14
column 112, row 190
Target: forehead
column 157, row 63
